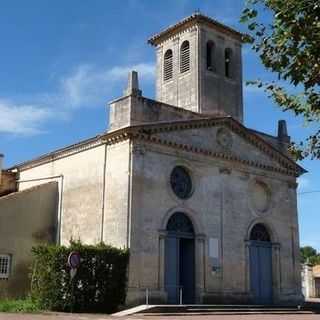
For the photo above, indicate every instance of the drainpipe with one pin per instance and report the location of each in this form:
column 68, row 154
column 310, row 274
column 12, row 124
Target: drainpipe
column 61, row 177
column 103, row 192
column 1, row 165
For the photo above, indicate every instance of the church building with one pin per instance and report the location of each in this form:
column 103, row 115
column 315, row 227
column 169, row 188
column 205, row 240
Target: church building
column 207, row 206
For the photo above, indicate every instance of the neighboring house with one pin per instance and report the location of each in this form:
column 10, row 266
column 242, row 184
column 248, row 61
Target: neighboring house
column 207, row 206
column 310, row 281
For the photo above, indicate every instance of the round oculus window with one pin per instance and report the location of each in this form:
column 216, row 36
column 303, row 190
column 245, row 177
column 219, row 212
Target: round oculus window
column 181, row 182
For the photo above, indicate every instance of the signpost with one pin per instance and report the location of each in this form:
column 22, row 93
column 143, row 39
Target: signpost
column 74, row 263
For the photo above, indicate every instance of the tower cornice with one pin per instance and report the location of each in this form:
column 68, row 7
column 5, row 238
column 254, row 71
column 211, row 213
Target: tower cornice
column 194, row 19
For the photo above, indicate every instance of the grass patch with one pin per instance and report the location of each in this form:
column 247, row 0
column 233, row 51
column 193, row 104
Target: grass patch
column 19, row 305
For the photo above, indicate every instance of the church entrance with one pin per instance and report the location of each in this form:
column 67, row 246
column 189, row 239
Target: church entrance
column 260, row 265
column 180, row 260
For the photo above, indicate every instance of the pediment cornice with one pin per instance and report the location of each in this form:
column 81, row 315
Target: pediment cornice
column 148, row 132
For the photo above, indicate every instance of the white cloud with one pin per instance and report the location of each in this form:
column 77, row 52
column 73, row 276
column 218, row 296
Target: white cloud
column 303, row 184
column 87, row 86
column 22, row 119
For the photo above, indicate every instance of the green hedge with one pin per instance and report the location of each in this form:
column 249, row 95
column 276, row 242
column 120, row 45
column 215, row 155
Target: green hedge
column 98, row 286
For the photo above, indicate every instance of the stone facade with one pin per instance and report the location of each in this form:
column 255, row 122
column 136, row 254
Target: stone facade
column 117, row 187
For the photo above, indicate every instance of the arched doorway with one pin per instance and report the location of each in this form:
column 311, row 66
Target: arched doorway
column 260, row 265
column 180, row 259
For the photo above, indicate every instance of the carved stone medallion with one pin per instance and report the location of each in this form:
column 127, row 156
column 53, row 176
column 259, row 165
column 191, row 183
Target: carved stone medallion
column 260, row 197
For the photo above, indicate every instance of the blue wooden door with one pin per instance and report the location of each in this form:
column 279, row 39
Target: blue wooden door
column 261, row 272
column 172, row 269
column 187, row 270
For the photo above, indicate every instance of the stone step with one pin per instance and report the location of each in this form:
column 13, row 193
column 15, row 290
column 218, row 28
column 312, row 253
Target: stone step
column 174, row 310
column 166, row 309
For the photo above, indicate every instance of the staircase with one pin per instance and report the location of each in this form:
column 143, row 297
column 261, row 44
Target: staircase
column 174, row 310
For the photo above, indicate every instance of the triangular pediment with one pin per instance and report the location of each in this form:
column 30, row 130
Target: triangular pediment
column 223, row 138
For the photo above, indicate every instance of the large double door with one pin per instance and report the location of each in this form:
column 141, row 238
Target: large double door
column 179, row 269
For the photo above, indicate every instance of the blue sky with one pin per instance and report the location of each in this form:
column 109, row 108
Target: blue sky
column 62, row 61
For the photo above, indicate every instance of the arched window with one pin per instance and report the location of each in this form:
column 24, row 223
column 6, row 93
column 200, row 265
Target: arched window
column 179, row 222
column 260, row 233
column 185, row 57
column 228, row 62
column 167, row 65
column 210, row 55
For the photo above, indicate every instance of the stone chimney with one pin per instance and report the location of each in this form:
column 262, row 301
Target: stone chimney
column 283, row 132
column 133, row 85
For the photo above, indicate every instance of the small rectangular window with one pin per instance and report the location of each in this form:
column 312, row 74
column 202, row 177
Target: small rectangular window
column 5, row 262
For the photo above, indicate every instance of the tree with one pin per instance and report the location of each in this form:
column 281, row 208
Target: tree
column 289, row 47
column 309, row 255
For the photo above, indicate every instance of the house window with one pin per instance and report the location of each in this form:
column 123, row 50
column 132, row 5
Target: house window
column 185, row 57
column 5, row 261
column 227, row 62
column 210, row 55
column 167, row 65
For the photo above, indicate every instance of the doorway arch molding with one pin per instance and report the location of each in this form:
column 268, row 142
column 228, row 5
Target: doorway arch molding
column 191, row 214
column 270, row 228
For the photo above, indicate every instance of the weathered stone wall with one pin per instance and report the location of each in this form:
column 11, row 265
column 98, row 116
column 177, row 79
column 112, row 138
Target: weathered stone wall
column 182, row 89
column 80, row 176
column 117, row 195
column 217, row 92
column 27, row 218
column 221, row 207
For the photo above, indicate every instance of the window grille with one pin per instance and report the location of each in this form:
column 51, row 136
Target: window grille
column 5, row 261
column 210, row 56
column 179, row 222
column 259, row 233
column 228, row 62
column 167, row 65
column 185, row 57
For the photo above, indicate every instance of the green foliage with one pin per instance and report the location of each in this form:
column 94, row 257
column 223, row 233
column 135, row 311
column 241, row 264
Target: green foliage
column 21, row 305
column 309, row 255
column 98, row 286
column 290, row 47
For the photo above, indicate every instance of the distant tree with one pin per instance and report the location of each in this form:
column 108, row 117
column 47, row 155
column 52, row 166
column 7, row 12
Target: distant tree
column 309, row 255
column 290, row 47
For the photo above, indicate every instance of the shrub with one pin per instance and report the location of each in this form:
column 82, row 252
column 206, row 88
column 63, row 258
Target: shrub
column 20, row 305
column 98, row 286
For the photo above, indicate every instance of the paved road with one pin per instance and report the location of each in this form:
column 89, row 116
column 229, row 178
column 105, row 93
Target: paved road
column 60, row 316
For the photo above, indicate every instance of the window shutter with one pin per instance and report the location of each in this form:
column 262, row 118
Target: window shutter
column 185, row 57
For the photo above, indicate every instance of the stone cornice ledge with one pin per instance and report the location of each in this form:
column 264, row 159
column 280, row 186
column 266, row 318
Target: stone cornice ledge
column 218, row 155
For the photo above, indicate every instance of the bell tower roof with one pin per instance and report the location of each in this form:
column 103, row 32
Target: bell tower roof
column 196, row 18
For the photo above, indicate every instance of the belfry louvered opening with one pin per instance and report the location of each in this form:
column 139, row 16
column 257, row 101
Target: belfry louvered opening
column 167, row 65
column 210, row 56
column 185, row 57
column 228, row 62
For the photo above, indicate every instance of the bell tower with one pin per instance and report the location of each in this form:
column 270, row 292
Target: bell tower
column 199, row 66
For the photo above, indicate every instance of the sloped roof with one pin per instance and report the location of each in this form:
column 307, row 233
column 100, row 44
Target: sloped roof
column 190, row 20
column 28, row 190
